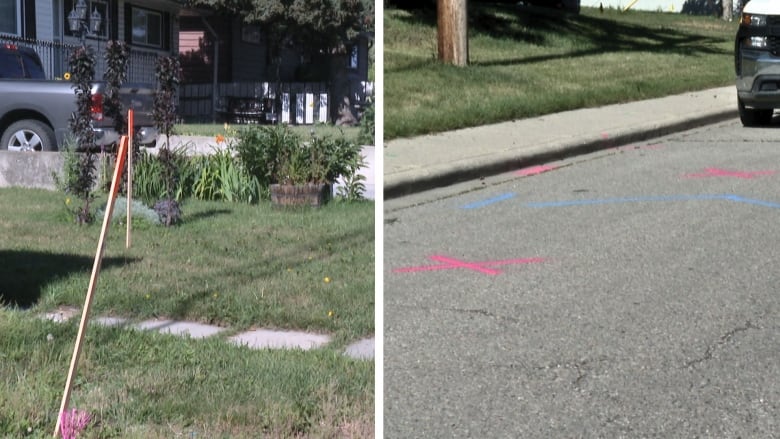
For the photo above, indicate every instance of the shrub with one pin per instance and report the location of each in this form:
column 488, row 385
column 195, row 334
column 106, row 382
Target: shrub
column 260, row 150
column 277, row 155
column 221, row 176
column 366, row 133
column 150, row 176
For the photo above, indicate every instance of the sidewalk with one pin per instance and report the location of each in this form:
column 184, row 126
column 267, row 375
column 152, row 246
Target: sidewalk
column 417, row 164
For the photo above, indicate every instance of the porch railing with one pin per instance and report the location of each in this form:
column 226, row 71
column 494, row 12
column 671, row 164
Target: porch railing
column 55, row 55
column 294, row 102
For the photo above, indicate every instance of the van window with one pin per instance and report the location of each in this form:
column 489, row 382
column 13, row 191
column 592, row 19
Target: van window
column 10, row 65
column 32, row 67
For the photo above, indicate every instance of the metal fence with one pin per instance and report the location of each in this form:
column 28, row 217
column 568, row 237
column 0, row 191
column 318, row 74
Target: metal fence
column 294, row 102
column 55, row 55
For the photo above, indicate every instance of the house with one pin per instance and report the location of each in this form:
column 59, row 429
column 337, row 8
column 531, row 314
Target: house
column 231, row 71
column 149, row 27
column 229, row 68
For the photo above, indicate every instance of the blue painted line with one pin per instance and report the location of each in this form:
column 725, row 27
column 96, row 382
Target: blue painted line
column 739, row 199
column 624, row 200
column 479, row 204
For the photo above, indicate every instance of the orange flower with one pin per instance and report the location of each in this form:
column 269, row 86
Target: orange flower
column 220, row 138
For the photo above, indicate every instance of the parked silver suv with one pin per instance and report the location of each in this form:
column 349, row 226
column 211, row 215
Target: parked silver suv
column 757, row 62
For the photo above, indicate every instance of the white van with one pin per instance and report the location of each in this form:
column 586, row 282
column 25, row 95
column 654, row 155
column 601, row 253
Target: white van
column 757, row 62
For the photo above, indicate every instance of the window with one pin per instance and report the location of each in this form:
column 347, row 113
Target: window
column 352, row 62
column 147, row 27
column 101, row 6
column 9, row 17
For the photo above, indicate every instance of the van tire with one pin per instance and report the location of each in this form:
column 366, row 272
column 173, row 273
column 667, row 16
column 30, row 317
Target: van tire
column 752, row 117
column 28, row 135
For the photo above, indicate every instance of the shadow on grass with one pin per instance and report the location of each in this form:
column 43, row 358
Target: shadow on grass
column 207, row 214
column 596, row 35
column 24, row 274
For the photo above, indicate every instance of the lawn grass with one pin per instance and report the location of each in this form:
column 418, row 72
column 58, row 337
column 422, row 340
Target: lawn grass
column 526, row 63
column 147, row 385
column 213, row 129
column 235, row 265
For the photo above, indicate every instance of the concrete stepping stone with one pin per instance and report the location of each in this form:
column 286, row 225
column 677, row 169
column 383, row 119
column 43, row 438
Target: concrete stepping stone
column 361, row 349
column 111, row 321
column 256, row 339
column 267, row 339
column 192, row 329
column 61, row 314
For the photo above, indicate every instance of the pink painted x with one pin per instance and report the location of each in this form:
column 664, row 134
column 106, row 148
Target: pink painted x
column 481, row 267
column 715, row 172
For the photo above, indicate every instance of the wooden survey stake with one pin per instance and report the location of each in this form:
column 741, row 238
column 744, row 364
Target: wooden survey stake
column 120, row 163
column 130, row 124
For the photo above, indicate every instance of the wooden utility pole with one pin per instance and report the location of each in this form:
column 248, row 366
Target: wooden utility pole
column 452, row 25
column 728, row 6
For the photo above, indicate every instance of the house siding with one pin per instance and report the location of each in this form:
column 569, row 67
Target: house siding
column 46, row 20
column 249, row 59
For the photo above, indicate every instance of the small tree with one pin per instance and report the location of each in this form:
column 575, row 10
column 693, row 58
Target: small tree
column 82, row 68
column 168, row 73
column 117, row 57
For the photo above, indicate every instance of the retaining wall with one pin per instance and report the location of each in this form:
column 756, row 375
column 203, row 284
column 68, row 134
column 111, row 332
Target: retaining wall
column 29, row 169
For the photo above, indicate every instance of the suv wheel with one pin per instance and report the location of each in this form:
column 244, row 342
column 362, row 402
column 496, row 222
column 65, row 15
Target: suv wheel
column 752, row 117
column 28, row 135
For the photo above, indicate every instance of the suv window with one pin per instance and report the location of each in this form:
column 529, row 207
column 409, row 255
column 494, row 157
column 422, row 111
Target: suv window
column 20, row 63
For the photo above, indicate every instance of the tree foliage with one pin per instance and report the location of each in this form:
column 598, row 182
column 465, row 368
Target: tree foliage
column 330, row 23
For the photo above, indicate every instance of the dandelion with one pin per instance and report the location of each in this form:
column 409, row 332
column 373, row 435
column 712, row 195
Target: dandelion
column 327, row 280
column 148, row 296
column 66, row 76
column 215, row 295
column 73, row 422
column 331, row 313
column 67, row 201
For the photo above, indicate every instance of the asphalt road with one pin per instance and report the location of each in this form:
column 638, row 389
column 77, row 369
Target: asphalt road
column 631, row 292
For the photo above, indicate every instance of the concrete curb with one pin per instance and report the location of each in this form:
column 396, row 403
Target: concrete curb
column 432, row 177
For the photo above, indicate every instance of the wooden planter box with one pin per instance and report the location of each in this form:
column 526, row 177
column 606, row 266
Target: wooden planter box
column 310, row 194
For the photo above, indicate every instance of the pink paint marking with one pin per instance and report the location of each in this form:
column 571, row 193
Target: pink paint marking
column 715, row 172
column 534, row 170
column 450, row 263
column 461, row 264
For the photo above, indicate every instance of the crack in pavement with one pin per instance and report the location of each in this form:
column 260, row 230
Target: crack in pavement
column 725, row 338
column 476, row 311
